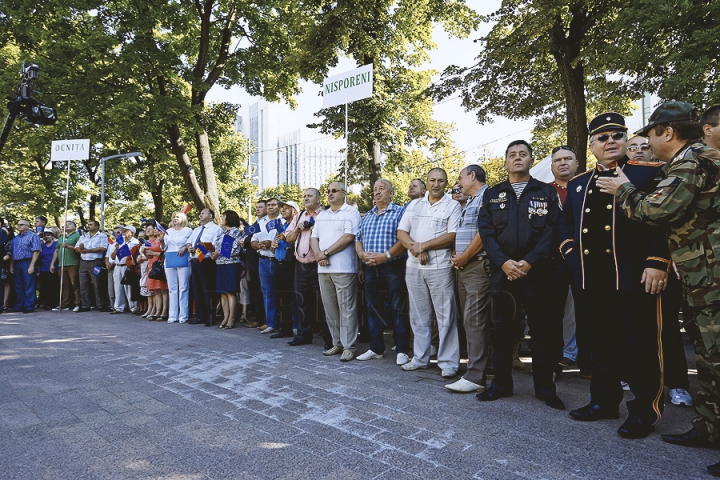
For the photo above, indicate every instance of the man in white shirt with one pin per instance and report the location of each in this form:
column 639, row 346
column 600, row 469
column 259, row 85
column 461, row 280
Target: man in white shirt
column 123, row 292
column 91, row 247
column 261, row 242
column 427, row 230
column 333, row 243
column 203, row 272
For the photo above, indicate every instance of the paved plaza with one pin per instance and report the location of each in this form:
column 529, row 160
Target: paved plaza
column 114, row 396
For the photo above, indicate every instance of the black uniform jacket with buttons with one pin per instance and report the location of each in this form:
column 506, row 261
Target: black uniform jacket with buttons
column 519, row 229
column 601, row 245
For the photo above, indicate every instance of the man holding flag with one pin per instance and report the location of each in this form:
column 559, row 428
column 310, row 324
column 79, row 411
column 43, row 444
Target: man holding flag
column 126, row 246
column 202, row 267
column 270, row 226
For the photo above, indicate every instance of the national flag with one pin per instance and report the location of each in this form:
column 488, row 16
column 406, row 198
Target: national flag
column 227, row 246
column 202, row 251
column 120, row 239
column 275, row 224
column 111, row 239
column 252, row 229
column 159, row 227
column 123, row 252
column 186, row 208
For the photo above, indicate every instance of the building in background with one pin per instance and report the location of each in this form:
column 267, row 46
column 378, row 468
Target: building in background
column 285, row 152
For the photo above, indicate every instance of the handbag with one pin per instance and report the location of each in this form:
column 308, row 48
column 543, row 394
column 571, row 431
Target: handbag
column 157, row 271
column 130, row 277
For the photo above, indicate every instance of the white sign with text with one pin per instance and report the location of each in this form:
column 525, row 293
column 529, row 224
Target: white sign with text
column 63, row 150
column 348, row 87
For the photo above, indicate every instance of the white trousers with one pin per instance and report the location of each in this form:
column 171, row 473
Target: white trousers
column 178, row 280
column 122, row 292
column 428, row 289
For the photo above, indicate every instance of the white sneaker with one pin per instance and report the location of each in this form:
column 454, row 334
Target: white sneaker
column 295, row 332
column 332, row 351
column 269, row 330
column 402, row 359
column 448, row 372
column 347, row 355
column 170, row 320
column 183, row 321
column 369, row 355
column 433, row 350
column 76, row 309
column 58, row 309
column 625, row 386
column 680, row 396
column 464, row 386
column 393, row 348
column 412, row 365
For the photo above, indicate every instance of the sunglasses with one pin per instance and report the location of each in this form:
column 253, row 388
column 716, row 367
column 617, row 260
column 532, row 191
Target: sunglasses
column 562, row 147
column 634, row 148
column 605, row 136
column 333, row 190
column 456, row 190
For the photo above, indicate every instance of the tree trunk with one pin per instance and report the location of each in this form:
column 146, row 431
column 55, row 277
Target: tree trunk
column 91, row 206
column 373, row 150
column 567, row 47
column 207, row 170
column 158, row 200
column 82, row 217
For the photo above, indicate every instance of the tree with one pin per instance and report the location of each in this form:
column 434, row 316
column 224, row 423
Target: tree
column 545, row 59
column 395, row 37
column 285, row 192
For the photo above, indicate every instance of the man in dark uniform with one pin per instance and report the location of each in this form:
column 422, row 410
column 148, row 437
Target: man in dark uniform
column 621, row 267
column 518, row 227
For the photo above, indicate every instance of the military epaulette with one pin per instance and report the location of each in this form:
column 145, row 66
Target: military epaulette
column 643, row 163
column 581, row 174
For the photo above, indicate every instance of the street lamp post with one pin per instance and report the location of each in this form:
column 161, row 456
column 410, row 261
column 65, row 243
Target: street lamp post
column 11, row 205
column 102, row 187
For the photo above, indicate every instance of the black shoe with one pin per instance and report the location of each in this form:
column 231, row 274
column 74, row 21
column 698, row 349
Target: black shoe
column 28, row 311
column 552, row 401
column 714, row 469
column 592, row 412
column 105, row 309
column 691, row 438
column 280, row 335
column 298, row 341
column 634, row 427
column 493, row 393
column 197, row 321
column 84, row 309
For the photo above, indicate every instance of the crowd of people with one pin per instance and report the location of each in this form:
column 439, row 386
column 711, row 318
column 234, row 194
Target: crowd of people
column 596, row 265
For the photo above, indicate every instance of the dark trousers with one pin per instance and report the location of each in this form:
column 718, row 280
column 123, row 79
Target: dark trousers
column 89, row 281
column 675, row 365
column 49, row 288
column 200, row 274
column 532, row 295
column 284, row 277
column 387, row 281
column 24, row 286
column 310, row 306
column 624, row 327
column 256, row 296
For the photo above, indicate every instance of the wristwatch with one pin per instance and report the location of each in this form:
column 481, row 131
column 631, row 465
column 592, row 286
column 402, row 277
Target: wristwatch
column 387, row 254
column 325, row 252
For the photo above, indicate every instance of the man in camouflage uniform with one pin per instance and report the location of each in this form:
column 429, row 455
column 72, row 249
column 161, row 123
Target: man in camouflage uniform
column 687, row 203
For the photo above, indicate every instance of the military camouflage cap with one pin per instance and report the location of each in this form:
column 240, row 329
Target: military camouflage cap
column 670, row 112
column 607, row 121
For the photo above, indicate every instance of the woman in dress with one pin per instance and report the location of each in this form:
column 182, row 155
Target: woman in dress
column 178, row 278
column 228, row 268
column 158, row 287
column 147, row 300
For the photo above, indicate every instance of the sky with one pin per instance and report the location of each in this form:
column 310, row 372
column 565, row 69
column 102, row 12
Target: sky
column 469, row 136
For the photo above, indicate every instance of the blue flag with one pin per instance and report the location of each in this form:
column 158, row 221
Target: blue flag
column 146, row 243
column 252, row 229
column 227, row 246
column 120, row 239
column 275, row 224
column 159, row 227
column 123, row 252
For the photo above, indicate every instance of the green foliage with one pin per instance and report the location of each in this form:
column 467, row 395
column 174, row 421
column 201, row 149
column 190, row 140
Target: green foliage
column 286, row 192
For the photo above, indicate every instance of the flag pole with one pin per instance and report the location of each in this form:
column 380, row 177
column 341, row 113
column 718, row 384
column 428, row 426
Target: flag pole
column 64, row 259
column 347, row 142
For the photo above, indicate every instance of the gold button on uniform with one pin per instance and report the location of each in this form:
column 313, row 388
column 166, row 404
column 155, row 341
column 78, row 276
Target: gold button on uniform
column 584, row 230
column 587, row 210
column 609, row 207
column 589, row 191
column 595, row 176
column 608, row 251
column 608, row 227
column 586, row 251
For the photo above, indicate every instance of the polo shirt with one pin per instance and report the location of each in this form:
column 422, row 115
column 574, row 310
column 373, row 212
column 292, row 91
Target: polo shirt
column 68, row 257
column 423, row 222
column 329, row 227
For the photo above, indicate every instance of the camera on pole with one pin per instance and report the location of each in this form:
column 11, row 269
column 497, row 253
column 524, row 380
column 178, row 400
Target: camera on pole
column 23, row 105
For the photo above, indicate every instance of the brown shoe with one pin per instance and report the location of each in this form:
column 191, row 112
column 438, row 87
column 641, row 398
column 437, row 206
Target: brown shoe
column 262, row 327
column 566, row 362
column 252, row 325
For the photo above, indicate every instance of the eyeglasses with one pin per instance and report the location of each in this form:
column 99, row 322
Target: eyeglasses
column 23, row 224
column 634, row 148
column 562, row 147
column 605, row 136
column 456, row 190
column 333, row 190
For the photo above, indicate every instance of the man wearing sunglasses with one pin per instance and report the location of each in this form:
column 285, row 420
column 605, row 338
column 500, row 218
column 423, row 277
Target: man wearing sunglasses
column 620, row 266
column 639, row 150
column 24, row 252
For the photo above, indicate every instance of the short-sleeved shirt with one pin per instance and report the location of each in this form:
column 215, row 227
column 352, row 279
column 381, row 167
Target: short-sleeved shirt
column 378, row 233
column 46, row 254
column 424, row 221
column 93, row 241
column 210, row 232
column 122, row 261
column 303, row 252
column 467, row 227
column 329, row 227
column 23, row 246
column 67, row 256
column 264, row 234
